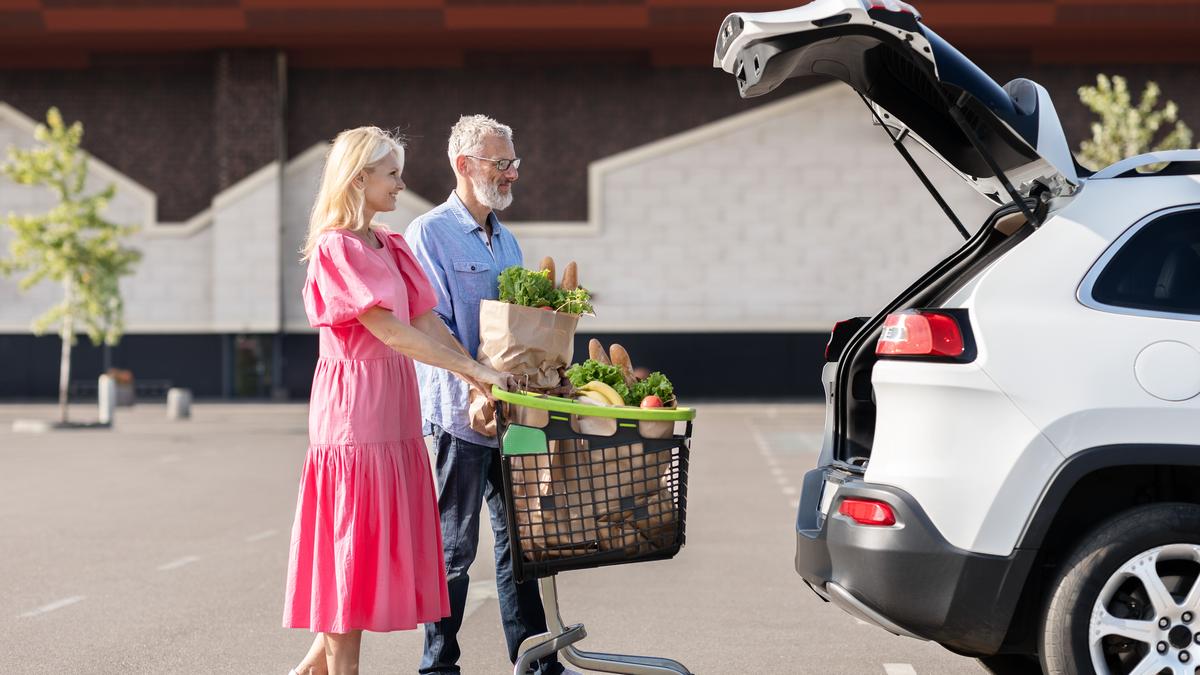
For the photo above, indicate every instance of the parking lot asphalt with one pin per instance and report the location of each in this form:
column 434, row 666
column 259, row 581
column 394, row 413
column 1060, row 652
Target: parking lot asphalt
column 161, row 547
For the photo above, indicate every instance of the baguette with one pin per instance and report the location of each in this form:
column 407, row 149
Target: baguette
column 620, row 358
column 596, row 352
column 570, row 280
column 548, row 264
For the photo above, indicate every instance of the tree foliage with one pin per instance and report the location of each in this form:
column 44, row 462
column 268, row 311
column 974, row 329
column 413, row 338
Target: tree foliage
column 72, row 243
column 1124, row 129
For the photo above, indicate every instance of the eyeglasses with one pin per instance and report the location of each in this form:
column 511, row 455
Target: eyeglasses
column 501, row 164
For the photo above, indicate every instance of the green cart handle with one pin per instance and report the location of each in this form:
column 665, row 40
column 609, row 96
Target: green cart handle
column 530, row 399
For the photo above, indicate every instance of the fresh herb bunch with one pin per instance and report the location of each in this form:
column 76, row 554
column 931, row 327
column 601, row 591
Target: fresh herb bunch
column 578, row 301
column 519, row 286
column 590, row 370
column 655, row 384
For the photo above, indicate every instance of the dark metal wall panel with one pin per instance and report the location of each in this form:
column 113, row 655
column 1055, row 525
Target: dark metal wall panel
column 29, row 365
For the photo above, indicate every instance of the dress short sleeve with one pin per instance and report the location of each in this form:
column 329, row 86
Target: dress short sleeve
column 344, row 280
column 421, row 297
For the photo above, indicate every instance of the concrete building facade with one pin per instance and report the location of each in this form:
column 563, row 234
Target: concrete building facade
column 722, row 238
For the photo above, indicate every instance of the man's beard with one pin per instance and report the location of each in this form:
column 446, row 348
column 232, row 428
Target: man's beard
column 488, row 193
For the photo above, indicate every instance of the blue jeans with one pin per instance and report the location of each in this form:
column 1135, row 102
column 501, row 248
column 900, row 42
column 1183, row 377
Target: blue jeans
column 468, row 474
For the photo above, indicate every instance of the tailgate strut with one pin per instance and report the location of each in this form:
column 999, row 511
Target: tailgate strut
column 955, row 109
column 898, row 143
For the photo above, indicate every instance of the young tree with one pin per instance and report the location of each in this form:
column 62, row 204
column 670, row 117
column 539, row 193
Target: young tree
column 71, row 244
column 1124, row 129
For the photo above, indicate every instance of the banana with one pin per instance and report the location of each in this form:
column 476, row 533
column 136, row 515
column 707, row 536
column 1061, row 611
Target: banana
column 604, row 390
column 593, row 397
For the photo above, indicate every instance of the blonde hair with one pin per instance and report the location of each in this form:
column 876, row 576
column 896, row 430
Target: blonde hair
column 339, row 201
column 467, row 135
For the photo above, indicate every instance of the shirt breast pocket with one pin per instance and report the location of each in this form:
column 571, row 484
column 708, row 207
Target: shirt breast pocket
column 476, row 280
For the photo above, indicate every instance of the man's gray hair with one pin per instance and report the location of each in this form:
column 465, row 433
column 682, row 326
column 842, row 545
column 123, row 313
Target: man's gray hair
column 466, row 136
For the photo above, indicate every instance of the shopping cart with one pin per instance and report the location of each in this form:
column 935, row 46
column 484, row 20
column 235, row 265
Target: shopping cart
column 587, row 486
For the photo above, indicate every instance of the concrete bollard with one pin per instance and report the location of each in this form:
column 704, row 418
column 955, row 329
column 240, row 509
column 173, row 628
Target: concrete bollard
column 106, row 398
column 179, row 403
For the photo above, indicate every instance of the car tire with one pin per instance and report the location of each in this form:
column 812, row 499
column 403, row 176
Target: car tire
column 1011, row 664
column 1102, row 580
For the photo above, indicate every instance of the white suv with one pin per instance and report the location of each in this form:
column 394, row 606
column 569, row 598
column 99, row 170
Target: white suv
column 1011, row 464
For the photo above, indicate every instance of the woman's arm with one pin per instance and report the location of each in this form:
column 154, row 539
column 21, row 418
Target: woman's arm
column 414, row 343
column 432, row 325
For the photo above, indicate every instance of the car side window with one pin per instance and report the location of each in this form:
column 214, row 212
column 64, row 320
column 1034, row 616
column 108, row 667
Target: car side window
column 1158, row 269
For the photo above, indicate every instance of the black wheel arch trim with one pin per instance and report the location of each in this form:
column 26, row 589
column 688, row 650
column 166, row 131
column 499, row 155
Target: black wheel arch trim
column 1080, row 465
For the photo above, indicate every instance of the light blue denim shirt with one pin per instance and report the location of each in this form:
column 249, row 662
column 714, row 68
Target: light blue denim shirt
column 463, row 272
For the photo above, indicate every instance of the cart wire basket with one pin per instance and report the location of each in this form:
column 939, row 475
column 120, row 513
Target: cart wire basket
column 586, row 486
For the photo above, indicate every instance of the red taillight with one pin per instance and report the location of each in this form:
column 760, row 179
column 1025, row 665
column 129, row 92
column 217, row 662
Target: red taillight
column 920, row 333
column 867, row 512
column 833, row 335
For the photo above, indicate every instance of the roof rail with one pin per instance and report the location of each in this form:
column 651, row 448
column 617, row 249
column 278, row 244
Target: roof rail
column 1178, row 163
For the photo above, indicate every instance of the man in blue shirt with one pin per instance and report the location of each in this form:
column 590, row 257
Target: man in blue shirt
column 463, row 248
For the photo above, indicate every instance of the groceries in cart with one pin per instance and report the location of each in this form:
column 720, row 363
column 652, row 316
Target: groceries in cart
column 608, row 378
column 529, row 332
column 593, row 477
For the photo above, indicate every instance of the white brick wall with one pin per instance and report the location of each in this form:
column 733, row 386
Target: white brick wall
column 787, row 217
column 246, row 254
column 171, row 290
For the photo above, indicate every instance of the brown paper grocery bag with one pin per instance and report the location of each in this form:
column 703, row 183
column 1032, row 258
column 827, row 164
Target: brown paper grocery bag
column 531, row 343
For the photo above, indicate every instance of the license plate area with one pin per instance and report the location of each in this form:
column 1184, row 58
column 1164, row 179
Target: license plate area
column 828, row 492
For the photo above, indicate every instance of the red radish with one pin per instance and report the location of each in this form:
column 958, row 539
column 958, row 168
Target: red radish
column 652, row 401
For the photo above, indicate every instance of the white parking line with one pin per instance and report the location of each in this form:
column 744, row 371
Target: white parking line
column 57, row 604
column 261, row 535
column 899, row 669
column 176, row 564
column 764, row 448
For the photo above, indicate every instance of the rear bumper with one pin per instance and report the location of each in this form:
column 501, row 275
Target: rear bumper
column 907, row 578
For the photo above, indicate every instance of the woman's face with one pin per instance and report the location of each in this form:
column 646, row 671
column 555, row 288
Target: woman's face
column 382, row 182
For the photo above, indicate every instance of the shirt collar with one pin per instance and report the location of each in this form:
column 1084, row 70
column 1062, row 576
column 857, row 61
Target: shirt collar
column 467, row 220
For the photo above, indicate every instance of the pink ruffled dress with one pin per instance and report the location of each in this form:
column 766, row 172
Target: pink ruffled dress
column 366, row 549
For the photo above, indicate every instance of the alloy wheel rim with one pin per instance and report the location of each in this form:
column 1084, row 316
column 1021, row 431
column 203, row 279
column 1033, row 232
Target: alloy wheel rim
column 1146, row 620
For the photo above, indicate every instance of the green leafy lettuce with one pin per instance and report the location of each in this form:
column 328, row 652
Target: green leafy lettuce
column 519, row 286
column 655, row 384
column 582, row 373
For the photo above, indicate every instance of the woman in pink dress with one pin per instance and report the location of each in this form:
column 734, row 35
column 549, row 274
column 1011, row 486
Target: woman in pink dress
column 366, row 551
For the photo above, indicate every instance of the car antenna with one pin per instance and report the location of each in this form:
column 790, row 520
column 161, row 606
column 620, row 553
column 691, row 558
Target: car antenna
column 898, row 143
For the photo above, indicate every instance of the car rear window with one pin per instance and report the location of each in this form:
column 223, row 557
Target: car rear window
column 1157, row 269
